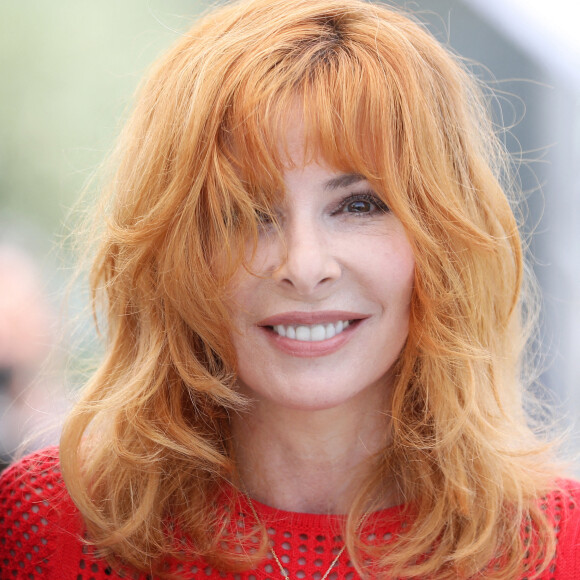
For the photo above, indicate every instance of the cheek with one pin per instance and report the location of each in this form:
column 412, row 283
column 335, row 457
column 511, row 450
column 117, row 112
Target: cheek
column 404, row 274
column 249, row 289
column 390, row 268
column 263, row 257
column 403, row 260
column 252, row 283
column 240, row 300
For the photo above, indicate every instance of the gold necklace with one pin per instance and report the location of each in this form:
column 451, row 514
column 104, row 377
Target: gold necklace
column 282, row 571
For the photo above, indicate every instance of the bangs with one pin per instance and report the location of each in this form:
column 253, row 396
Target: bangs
column 330, row 92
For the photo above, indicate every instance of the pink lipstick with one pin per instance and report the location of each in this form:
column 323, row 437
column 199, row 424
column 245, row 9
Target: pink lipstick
column 311, row 334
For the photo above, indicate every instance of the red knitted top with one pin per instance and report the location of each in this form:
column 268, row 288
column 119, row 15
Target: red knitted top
column 40, row 531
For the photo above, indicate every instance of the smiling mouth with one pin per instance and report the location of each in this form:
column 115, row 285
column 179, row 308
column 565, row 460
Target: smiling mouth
column 311, row 332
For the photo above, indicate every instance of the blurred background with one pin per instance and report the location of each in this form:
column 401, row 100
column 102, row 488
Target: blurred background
column 68, row 71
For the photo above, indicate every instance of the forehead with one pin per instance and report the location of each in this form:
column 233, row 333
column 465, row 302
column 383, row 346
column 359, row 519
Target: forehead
column 291, row 141
column 300, row 144
column 319, row 179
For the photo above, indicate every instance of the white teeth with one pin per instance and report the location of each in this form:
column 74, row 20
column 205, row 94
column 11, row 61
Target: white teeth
column 330, row 330
column 303, row 333
column 317, row 332
column 311, row 333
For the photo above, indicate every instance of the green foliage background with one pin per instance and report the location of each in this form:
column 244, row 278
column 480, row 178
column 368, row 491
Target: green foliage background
column 68, row 70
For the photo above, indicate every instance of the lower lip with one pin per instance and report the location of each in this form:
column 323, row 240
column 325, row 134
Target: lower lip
column 312, row 349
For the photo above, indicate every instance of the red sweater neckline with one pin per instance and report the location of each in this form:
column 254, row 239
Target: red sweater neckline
column 272, row 516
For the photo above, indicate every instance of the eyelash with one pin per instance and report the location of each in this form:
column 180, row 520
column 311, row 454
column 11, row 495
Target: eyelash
column 379, row 205
column 265, row 219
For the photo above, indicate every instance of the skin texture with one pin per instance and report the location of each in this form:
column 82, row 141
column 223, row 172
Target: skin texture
column 319, row 406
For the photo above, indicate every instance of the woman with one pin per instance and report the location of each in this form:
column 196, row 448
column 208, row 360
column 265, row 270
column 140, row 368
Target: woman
column 312, row 285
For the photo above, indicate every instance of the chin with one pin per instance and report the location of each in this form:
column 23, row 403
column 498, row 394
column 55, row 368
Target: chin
column 318, row 398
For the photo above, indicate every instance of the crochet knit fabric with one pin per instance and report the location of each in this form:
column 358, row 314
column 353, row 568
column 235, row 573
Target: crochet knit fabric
column 41, row 534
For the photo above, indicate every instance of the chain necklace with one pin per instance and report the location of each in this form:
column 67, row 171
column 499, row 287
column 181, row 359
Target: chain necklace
column 282, row 571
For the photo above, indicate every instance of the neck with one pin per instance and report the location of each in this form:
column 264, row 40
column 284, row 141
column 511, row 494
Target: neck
column 306, row 461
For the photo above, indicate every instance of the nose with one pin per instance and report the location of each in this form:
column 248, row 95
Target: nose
column 307, row 262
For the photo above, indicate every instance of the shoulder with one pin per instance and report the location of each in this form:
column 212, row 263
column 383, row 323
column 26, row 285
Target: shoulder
column 37, row 516
column 33, row 484
column 562, row 507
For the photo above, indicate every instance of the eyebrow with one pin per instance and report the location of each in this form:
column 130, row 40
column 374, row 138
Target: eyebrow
column 343, row 180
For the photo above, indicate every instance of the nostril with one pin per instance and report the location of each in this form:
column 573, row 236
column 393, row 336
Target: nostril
column 307, row 263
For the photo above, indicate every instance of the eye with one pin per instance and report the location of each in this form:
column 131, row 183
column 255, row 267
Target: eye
column 359, row 206
column 362, row 204
column 264, row 217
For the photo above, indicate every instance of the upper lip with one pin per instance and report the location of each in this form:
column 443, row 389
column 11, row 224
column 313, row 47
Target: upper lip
column 316, row 317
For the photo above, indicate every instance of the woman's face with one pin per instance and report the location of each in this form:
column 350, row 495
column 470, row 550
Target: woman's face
column 327, row 314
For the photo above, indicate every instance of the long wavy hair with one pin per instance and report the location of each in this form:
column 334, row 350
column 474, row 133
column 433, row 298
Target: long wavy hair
column 201, row 157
